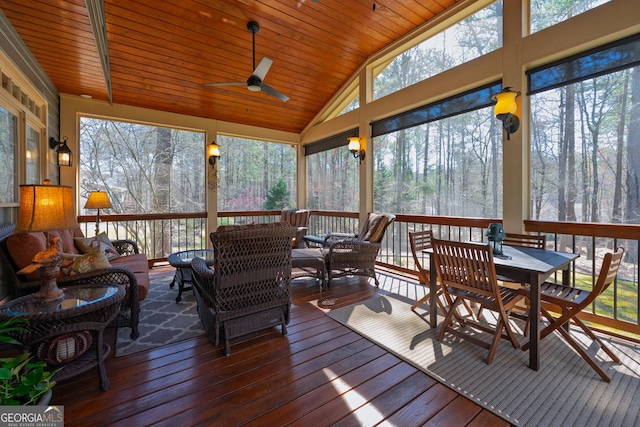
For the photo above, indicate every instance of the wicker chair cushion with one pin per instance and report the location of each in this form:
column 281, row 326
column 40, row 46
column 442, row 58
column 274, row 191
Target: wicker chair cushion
column 139, row 266
column 377, row 224
column 101, row 241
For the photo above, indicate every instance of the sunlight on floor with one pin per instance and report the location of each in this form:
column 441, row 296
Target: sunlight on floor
column 358, row 404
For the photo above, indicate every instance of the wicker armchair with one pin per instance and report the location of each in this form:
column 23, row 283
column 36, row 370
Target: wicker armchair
column 350, row 254
column 249, row 287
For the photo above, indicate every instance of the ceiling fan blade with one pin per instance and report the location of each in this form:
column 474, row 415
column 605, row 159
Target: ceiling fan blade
column 262, row 68
column 271, row 91
column 227, row 84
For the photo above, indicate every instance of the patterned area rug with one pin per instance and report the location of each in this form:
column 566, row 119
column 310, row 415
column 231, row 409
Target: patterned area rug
column 162, row 320
column 564, row 392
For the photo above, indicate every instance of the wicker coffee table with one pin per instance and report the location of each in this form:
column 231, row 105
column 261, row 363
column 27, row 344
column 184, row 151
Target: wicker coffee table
column 82, row 308
column 182, row 263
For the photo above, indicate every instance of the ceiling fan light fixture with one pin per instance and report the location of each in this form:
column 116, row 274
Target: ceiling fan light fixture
column 255, row 81
column 254, row 84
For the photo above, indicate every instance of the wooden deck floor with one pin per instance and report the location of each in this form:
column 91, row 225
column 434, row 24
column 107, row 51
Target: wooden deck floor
column 320, row 374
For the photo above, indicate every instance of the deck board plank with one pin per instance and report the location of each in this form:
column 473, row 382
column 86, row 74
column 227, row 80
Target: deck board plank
column 319, row 374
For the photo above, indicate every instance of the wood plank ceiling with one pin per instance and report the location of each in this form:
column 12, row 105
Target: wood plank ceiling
column 162, row 52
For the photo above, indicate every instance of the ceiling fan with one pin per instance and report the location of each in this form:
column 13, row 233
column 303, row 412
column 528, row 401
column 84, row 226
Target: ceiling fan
column 255, row 82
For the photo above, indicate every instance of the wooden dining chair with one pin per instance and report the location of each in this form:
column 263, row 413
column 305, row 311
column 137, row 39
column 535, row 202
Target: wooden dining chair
column 572, row 301
column 467, row 272
column 419, row 241
column 524, row 241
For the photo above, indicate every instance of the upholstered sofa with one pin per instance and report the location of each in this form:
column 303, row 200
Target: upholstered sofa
column 249, row 287
column 128, row 267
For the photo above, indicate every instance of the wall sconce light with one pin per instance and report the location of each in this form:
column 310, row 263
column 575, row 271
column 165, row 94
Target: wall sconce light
column 355, row 148
column 65, row 155
column 213, row 152
column 505, row 110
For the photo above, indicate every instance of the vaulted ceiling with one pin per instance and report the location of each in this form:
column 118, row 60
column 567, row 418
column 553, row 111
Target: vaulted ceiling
column 161, row 53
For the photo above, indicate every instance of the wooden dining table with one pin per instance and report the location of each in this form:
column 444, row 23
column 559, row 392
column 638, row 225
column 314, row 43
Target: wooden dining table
column 524, row 265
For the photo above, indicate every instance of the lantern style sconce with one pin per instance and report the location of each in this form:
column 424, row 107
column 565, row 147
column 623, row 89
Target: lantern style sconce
column 213, row 152
column 355, row 148
column 65, row 155
column 495, row 235
column 505, row 110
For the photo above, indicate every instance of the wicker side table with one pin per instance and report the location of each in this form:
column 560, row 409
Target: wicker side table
column 83, row 308
column 182, row 263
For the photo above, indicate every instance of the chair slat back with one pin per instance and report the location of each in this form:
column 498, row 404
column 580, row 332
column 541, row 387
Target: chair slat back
column 525, row 240
column 466, row 266
column 419, row 241
column 608, row 273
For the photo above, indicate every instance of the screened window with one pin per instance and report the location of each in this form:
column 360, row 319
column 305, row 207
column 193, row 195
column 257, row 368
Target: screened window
column 144, row 169
column 332, row 180
column 8, row 147
column 470, row 38
column 255, row 175
column 443, row 158
column 451, row 166
column 332, row 174
column 545, row 13
column 353, row 105
column 33, row 156
column 585, row 156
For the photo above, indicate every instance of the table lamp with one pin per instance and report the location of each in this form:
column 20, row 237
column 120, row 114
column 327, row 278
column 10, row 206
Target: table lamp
column 98, row 200
column 495, row 235
column 46, row 208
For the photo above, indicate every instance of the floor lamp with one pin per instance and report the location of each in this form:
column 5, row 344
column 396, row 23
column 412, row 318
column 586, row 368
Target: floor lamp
column 98, row 200
column 46, row 208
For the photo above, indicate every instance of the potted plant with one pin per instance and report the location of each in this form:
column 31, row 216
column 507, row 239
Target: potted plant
column 23, row 381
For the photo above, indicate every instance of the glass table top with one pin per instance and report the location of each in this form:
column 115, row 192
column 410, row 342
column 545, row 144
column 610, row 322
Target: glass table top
column 185, row 257
column 75, row 296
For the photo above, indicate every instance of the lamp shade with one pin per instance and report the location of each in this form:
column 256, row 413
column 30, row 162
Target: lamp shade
column 213, row 152
column 45, row 208
column 98, row 200
column 354, row 144
column 506, row 102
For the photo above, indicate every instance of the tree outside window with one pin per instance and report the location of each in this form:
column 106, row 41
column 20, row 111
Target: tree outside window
column 255, row 175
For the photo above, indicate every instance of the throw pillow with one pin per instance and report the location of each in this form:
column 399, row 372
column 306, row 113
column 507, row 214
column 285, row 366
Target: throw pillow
column 72, row 265
column 101, row 241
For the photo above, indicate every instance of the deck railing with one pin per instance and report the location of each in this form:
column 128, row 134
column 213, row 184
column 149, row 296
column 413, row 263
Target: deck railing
column 158, row 235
